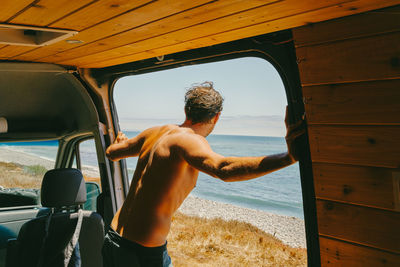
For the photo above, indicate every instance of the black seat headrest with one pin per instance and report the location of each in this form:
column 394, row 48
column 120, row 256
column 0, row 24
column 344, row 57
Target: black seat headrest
column 63, row 187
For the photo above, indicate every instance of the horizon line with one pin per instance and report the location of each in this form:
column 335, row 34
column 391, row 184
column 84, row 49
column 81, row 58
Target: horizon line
column 220, row 134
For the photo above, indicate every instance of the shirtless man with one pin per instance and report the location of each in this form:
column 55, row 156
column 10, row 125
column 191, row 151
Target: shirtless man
column 170, row 158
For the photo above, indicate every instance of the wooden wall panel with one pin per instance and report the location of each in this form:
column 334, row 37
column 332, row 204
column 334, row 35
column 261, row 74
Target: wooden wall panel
column 368, row 186
column 377, row 146
column 349, row 70
column 367, row 226
column 338, row 253
column 361, row 59
column 385, row 21
column 353, row 103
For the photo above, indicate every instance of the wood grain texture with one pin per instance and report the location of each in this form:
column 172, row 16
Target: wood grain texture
column 361, row 59
column 396, row 189
column 11, row 7
column 384, row 21
column 128, row 41
column 349, row 70
column 141, row 16
column 264, row 19
column 375, row 102
column 355, row 184
column 14, row 50
column 45, row 12
column 97, row 12
column 339, row 253
column 167, row 44
column 357, row 145
column 276, row 17
column 367, row 226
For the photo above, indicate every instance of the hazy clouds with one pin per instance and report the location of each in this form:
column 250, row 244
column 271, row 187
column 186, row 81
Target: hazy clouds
column 230, row 125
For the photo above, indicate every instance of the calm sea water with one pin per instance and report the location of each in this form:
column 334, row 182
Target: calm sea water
column 278, row 192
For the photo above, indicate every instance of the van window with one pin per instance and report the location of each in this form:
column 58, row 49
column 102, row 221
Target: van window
column 86, row 161
column 251, row 124
column 22, row 167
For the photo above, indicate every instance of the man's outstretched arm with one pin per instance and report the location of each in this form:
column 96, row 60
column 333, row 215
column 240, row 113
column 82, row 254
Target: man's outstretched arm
column 197, row 152
column 124, row 147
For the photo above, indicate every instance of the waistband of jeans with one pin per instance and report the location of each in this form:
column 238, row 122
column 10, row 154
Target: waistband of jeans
column 131, row 244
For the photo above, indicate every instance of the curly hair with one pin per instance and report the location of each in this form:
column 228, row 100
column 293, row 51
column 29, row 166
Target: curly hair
column 202, row 102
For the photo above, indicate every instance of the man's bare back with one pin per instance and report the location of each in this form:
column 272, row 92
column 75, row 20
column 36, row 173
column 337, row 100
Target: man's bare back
column 161, row 182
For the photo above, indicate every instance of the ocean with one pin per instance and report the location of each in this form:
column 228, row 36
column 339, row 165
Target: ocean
column 278, row 192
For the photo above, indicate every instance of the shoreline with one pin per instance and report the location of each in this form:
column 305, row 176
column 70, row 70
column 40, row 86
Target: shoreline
column 24, row 158
column 28, row 159
column 290, row 230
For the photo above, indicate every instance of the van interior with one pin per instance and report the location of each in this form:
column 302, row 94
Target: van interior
column 339, row 63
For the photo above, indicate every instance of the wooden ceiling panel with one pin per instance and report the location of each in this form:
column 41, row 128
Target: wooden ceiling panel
column 1, row 47
column 120, row 31
column 90, row 14
column 11, row 7
column 141, row 16
column 11, row 51
column 213, row 27
column 193, row 17
column 226, row 36
column 44, row 12
column 98, row 12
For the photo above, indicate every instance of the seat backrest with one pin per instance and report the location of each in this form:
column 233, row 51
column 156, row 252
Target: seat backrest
column 91, row 239
column 104, row 207
column 62, row 190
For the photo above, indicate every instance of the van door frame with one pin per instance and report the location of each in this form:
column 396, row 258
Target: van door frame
column 277, row 48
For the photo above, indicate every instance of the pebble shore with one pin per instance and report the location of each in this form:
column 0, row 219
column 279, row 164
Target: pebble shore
column 290, row 230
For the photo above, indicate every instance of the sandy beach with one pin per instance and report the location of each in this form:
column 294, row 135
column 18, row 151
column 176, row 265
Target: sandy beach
column 290, row 230
column 10, row 155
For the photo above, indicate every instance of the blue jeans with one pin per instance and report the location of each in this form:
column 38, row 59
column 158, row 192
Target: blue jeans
column 120, row 252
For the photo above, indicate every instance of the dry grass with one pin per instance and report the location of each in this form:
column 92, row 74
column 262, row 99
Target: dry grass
column 195, row 241
column 15, row 175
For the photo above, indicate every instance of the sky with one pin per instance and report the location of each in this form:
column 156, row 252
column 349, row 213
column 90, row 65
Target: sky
column 254, row 96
